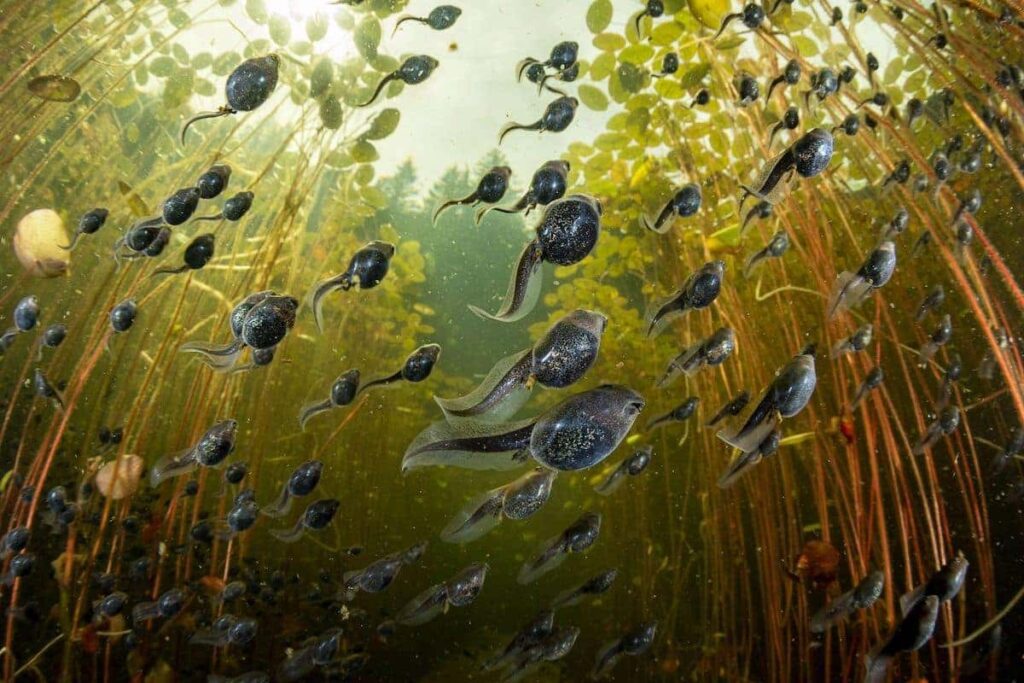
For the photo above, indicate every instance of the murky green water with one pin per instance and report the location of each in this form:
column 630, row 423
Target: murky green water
column 800, row 146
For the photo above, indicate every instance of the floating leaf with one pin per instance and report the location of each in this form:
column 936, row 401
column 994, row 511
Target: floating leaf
column 666, row 33
column 180, row 53
column 805, row 46
column 732, row 42
column 257, row 11
column 631, row 77
column 384, row 124
column 609, row 42
column 55, row 88
column 178, row 18
column 599, row 15
column 224, row 64
column 694, row 75
column 603, row 66
column 331, row 114
column 367, row 37
column 203, row 60
column 316, row 27
column 638, row 54
column 162, row 67
column 592, row 97
column 321, row 78
column 363, row 152
column 669, row 89
column 709, row 12
column 280, row 29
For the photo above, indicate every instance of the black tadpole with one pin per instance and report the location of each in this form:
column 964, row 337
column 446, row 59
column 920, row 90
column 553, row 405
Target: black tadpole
column 413, row 71
column 556, row 118
column 439, row 19
column 491, row 188
column 197, row 254
column 234, row 209
column 248, row 86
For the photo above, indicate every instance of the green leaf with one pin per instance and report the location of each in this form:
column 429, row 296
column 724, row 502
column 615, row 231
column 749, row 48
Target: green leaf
column 321, row 78
column 367, row 37
column 609, row 42
column 280, row 29
column 732, row 43
column 593, row 97
column 162, row 67
column 331, row 113
column 316, row 27
column 224, row 64
column 599, row 15
column 666, row 33
column 805, row 46
column 363, row 152
column 694, row 75
column 603, row 66
column 201, row 61
column 257, row 11
column 631, row 77
column 669, row 89
column 384, row 124
column 178, row 18
column 638, row 54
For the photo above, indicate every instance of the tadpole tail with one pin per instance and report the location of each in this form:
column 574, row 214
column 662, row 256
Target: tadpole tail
column 219, row 357
column 289, row 535
column 771, row 86
column 508, row 128
column 404, row 18
column 380, row 88
column 74, row 241
column 454, row 202
column 170, row 271
column 311, row 409
column 279, row 507
column 636, row 22
column 523, row 66
column 390, row 379
column 725, row 22
column 775, row 129
column 216, row 217
column 322, row 289
column 223, row 111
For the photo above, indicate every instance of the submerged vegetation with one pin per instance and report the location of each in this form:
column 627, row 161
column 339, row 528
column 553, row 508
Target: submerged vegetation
column 821, row 190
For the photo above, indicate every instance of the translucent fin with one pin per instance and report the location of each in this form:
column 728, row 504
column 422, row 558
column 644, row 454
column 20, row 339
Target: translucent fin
column 145, row 611
column 662, row 224
column 748, row 440
column 612, row 482
column 685, row 363
column 754, row 262
column 281, row 506
column 834, row 612
column 289, row 535
column 523, row 290
column 738, row 467
column 218, row 357
column 380, row 88
column 478, row 517
column 498, row 397
column 311, row 409
column 508, row 128
column 842, row 346
column 908, row 600
column 469, row 445
column 209, row 637
column 926, row 353
column 849, row 292
column 661, row 312
column 173, row 465
column 298, row 666
column 876, row 667
column 74, row 241
column 551, row 557
column 424, row 607
column 223, row 111
column 316, row 300
column 607, row 658
column 928, row 439
column 383, row 382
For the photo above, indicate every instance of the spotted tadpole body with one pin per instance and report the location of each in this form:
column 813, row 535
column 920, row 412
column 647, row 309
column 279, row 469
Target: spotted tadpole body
column 301, row 482
column 777, row 246
column 790, row 121
column 944, row 424
column 379, row 575
column 122, row 316
column 260, row 322
column 699, row 290
column 862, row 596
column 516, row 500
column 234, row 210
column 576, row 538
column 635, row 642
column 343, row 392
column 368, row 266
column 417, row 367
column 317, row 516
column 807, row 157
column 528, row 636
column 595, row 585
column 559, row 359
column 911, row 634
column 556, row 118
column 210, row 451
column 197, row 254
column 630, row 467
column 459, row 591
column 213, row 181
column 26, row 313
column 490, row 190
column 44, row 389
column 944, row 584
column 872, row 381
column 579, row 432
column 858, row 341
column 440, row 18
column 652, row 9
column 166, row 606
column 413, row 71
column 932, row 300
column 852, row 289
column 732, row 408
column 752, row 17
column 566, row 234
column 706, row 353
column 247, row 87
column 684, row 203
column 942, row 333
column 790, row 76
column 548, row 184
column 682, row 412
column 563, row 56
column 786, row 395
column 88, row 224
